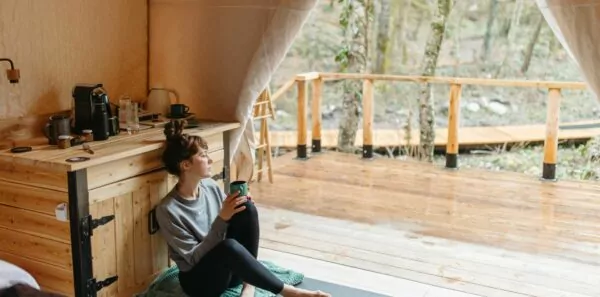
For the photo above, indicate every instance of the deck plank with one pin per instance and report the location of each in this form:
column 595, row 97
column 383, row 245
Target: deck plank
column 475, row 231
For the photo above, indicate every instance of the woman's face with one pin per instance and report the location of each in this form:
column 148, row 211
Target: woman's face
column 199, row 165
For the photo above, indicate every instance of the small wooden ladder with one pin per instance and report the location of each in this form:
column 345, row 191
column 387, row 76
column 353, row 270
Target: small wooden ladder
column 263, row 110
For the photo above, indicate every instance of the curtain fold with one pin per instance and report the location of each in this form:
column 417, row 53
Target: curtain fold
column 287, row 21
column 576, row 24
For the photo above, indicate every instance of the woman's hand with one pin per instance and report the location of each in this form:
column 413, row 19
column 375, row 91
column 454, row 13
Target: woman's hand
column 231, row 205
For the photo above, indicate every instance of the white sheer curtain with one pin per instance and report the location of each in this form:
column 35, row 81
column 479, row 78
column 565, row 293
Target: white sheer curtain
column 576, row 24
column 287, row 21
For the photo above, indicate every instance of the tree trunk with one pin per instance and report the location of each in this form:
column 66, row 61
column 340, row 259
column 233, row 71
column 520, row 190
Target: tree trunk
column 487, row 39
column 531, row 45
column 383, row 35
column 359, row 60
column 402, row 33
column 428, row 66
column 511, row 38
column 350, row 116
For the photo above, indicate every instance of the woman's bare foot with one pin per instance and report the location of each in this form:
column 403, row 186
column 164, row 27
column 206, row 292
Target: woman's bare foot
column 248, row 290
column 290, row 291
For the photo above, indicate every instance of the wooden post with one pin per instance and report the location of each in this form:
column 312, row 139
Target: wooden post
column 368, row 105
column 317, row 95
column 551, row 141
column 301, row 149
column 453, row 124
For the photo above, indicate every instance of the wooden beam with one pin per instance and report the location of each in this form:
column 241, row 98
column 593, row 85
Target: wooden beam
column 289, row 84
column 459, row 80
column 453, row 126
column 316, row 114
column 368, row 117
column 308, row 76
column 551, row 141
column 301, row 143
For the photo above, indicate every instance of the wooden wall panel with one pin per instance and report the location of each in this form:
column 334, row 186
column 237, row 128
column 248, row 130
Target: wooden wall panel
column 58, row 43
column 49, row 277
column 208, row 67
column 34, row 223
column 32, row 238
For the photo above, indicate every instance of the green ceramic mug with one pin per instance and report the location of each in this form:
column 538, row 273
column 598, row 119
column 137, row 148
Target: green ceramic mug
column 239, row 185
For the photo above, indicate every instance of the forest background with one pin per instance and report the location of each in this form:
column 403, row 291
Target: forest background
column 503, row 39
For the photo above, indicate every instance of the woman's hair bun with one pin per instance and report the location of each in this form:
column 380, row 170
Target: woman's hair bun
column 174, row 129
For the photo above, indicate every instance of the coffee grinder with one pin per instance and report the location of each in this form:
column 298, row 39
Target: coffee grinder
column 91, row 109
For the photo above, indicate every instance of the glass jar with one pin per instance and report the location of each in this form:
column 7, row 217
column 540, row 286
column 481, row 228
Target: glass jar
column 64, row 141
column 133, row 120
column 124, row 110
column 88, row 135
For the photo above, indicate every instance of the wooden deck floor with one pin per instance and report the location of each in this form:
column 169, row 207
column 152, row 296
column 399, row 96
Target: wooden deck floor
column 468, row 136
column 478, row 232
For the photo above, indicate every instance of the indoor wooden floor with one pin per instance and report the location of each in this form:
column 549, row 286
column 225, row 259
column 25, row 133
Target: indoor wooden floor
column 478, row 232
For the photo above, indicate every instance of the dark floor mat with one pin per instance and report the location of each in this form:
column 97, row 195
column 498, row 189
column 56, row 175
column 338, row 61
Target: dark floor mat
column 336, row 290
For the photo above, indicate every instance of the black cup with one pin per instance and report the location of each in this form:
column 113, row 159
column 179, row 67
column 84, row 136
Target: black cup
column 179, row 110
column 57, row 125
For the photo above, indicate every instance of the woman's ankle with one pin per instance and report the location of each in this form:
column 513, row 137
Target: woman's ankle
column 291, row 291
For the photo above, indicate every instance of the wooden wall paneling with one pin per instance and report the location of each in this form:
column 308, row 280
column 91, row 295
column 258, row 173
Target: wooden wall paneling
column 57, row 44
column 50, row 278
column 34, row 223
column 31, row 236
column 203, row 52
column 30, row 198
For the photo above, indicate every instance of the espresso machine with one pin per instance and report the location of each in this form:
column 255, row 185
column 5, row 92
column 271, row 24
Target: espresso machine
column 91, row 111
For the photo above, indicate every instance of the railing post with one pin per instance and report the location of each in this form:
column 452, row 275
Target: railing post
column 317, row 95
column 368, row 105
column 551, row 141
column 453, row 124
column 301, row 149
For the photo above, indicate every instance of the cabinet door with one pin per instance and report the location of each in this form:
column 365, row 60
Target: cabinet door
column 124, row 247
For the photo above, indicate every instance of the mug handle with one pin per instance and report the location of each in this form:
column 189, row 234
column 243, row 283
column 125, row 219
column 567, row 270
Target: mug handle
column 186, row 109
column 171, row 91
column 47, row 131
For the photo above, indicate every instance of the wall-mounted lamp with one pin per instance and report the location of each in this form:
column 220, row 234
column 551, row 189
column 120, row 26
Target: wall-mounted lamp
column 12, row 74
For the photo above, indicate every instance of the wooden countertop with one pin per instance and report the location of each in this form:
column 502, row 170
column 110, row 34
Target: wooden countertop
column 51, row 158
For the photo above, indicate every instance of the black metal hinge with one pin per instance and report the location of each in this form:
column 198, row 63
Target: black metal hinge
column 94, row 286
column 88, row 224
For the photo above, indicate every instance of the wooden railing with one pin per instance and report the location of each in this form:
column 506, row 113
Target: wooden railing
column 318, row 78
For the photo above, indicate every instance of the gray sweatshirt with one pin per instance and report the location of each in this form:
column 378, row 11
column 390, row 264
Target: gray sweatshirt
column 192, row 227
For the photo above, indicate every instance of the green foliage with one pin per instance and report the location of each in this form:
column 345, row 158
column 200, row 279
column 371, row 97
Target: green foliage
column 354, row 19
column 343, row 57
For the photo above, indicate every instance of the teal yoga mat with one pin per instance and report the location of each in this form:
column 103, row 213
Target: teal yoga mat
column 167, row 285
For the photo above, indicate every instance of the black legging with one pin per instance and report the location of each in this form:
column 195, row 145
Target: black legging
column 231, row 261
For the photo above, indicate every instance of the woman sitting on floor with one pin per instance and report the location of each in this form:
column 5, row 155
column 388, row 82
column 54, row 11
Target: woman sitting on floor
column 213, row 238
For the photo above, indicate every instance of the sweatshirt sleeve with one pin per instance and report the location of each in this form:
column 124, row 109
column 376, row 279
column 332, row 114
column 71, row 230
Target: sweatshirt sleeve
column 184, row 243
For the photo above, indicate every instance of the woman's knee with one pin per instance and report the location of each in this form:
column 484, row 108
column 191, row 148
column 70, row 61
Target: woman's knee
column 251, row 209
column 230, row 245
column 248, row 215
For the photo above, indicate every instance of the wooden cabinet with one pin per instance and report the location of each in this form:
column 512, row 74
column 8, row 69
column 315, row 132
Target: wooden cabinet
column 103, row 246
